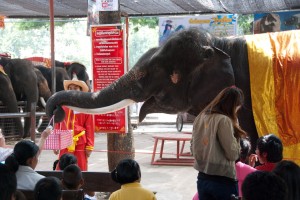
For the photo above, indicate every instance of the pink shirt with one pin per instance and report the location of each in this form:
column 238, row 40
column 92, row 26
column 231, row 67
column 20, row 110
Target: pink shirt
column 242, row 170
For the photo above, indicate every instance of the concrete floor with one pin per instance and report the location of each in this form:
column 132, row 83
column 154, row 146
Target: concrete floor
column 170, row 182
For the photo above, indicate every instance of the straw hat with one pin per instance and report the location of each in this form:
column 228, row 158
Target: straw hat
column 75, row 81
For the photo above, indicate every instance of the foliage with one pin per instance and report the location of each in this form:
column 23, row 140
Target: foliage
column 25, row 24
column 245, row 24
column 71, row 42
column 138, row 22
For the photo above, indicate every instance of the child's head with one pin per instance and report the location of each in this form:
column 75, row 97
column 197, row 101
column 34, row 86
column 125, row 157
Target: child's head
column 262, row 185
column 127, row 171
column 48, row 188
column 245, row 150
column 66, row 160
column 269, row 148
column 25, row 153
column 72, row 177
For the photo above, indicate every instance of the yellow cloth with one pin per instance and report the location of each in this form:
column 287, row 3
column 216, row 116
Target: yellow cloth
column 72, row 147
column 274, row 66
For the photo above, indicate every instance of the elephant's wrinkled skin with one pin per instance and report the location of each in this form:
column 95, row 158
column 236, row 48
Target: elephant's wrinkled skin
column 182, row 75
column 19, row 84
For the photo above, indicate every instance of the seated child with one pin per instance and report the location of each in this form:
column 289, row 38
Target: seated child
column 128, row 174
column 269, row 150
column 66, row 160
column 72, row 178
column 24, row 160
column 264, row 185
column 48, row 188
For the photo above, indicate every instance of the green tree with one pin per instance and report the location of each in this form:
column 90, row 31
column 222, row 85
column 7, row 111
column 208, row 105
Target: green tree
column 138, row 22
column 25, row 24
column 245, row 24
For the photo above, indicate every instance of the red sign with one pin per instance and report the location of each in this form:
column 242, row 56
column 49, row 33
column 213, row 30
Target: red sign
column 108, row 65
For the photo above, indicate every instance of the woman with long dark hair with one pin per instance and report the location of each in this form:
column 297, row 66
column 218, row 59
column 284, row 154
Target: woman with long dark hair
column 24, row 160
column 215, row 145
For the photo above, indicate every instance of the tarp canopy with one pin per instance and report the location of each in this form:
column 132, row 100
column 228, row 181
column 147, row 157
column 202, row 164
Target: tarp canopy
column 78, row 8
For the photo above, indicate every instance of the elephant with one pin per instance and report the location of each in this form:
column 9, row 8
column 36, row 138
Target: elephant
column 43, row 88
column 61, row 75
column 182, row 75
column 78, row 69
column 18, row 83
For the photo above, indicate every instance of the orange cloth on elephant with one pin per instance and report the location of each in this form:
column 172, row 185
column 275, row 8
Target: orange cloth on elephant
column 83, row 128
column 274, row 65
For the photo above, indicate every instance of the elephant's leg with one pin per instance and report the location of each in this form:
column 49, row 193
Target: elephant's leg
column 8, row 98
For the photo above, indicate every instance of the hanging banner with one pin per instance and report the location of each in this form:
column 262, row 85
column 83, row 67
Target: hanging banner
column 108, row 62
column 217, row 24
column 107, row 5
column 277, row 21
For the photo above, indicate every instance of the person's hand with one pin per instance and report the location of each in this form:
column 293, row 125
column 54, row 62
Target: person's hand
column 56, row 152
column 253, row 159
column 88, row 153
column 46, row 132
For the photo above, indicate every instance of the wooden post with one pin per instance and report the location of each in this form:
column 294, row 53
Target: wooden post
column 32, row 120
column 119, row 146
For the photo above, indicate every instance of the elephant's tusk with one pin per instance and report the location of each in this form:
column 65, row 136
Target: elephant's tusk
column 43, row 102
column 104, row 110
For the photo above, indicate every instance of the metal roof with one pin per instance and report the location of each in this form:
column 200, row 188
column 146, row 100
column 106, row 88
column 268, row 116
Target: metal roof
column 78, row 8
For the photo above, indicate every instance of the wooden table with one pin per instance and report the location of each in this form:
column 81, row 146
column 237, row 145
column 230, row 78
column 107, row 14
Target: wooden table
column 181, row 158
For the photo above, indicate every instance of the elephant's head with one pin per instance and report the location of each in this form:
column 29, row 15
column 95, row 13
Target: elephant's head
column 43, row 87
column 80, row 71
column 179, row 76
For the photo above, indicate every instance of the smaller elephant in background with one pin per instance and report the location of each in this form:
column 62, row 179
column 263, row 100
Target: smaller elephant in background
column 75, row 68
column 18, row 82
column 61, row 75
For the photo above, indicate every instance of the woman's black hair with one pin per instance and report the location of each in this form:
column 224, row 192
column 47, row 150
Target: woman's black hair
column 271, row 145
column 127, row 171
column 23, row 150
column 66, row 160
column 8, row 182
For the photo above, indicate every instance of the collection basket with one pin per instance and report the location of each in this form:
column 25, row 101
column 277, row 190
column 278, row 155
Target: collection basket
column 58, row 139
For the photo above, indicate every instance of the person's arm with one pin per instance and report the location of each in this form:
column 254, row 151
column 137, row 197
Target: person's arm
column 90, row 137
column 227, row 140
column 43, row 138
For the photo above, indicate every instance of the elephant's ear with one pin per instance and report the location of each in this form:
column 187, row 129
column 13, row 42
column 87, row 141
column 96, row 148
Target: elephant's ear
column 209, row 52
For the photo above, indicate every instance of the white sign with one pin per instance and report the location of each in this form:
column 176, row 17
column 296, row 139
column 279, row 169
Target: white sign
column 217, row 24
column 107, row 5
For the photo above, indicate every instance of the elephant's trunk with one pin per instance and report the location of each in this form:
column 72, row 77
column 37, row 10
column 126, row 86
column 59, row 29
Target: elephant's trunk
column 114, row 97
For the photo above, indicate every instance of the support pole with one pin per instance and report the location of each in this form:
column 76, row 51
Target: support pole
column 51, row 6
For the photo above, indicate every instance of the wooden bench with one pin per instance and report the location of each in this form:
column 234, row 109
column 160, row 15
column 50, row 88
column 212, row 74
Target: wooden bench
column 179, row 160
column 93, row 181
column 66, row 194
